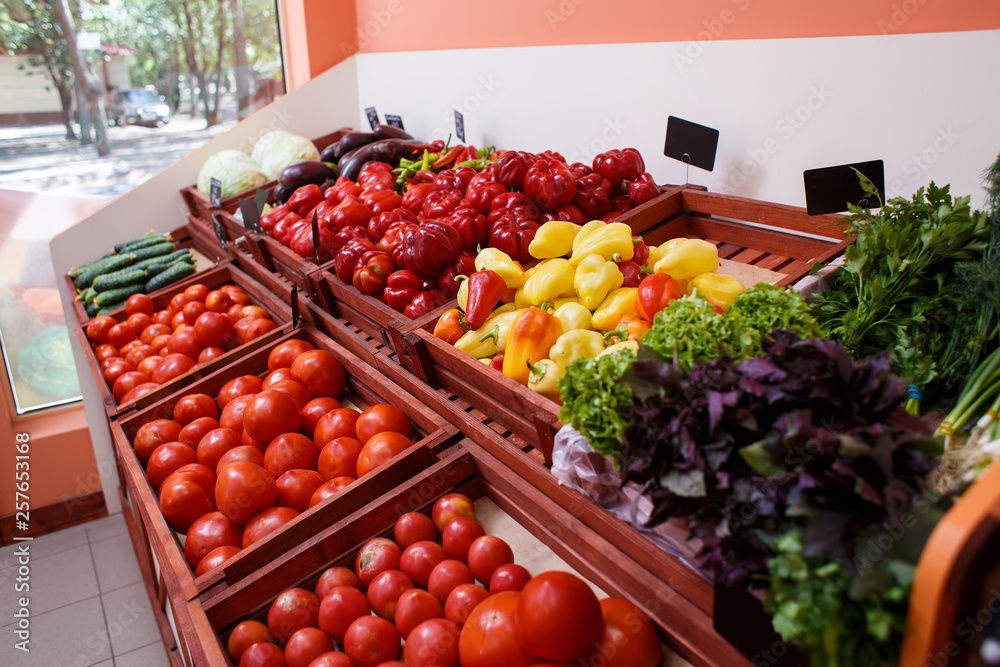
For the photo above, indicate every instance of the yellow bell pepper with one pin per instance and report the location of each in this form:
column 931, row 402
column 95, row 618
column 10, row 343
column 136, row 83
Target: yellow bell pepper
column 544, row 379
column 463, row 295
column 688, row 259
column 618, row 347
column 595, row 278
column 617, row 305
column 552, row 278
column 657, row 253
column 718, row 288
column 521, row 296
column 614, row 240
column 499, row 261
column 485, row 360
column 574, row 345
column 553, row 239
column 586, row 231
column 573, row 315
column 491, row 338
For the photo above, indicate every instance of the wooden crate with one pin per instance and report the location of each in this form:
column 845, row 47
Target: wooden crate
column 221, row 274
column 433, row 434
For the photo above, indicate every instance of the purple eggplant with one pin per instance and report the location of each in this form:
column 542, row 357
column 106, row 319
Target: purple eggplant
column 389, row 151
column 390, row 132
column 346, row 144
column 304, row 173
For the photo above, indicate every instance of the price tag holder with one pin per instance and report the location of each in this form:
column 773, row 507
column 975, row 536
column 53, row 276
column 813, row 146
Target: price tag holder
column 315, row 236
column 372, row 116
column 831, row 189
column 295, row 306
column 460, row 126
column 395, row 121
column 260, row 200
column 215, row 192
column 691, row 143
column 220, row 231
column 251, row 217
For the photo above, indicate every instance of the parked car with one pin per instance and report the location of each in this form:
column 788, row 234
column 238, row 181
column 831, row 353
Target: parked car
column 139, row 106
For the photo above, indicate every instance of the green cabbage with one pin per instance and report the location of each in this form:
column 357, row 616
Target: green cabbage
column 234, row 169
column 265, row 142
column 285, row 152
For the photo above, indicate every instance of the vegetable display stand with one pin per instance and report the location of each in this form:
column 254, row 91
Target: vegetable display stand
column 238, row 238
column 222, row 274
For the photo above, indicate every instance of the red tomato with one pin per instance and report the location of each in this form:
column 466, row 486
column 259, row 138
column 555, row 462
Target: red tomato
column 295, row 391
column 196, row 292
column 138, row 353
column 129, row 346
column 340, row 607
column 283, row 355
column 256, row 312
column 183, row 501
column 98, row 328
column 263, row 654
column 163, row 317
column 313, row 410
column 243, row 489
column 247, row 440
column 433, row 643
column 414, row 607
column 338, row 659
column 116, row 369
column 214, row 329
column 412, row 527
column 419, row 559
column 209, row 354
column 288, row 452
column 266, row 522
column 193, row 406
column 177, row 321
column 237, row 294
column 336, row 576
column 337, row 423
column 120, row 334
column 489, row 636
column 380, row 418
column 125, row 383
column 330, row 488
column 486, row 554
column 446, row 576
column 461, row 601
column 159, row 343
column 339, row 458
column 106, row 351
column 148, row 365
column 153, row 434
column 240, row 386
column 218, row 301
column 384, row 592
column 375, row 557
column 183, row 341
column 241, row 327
column 379, row 449
column 306, row 645
column 244, row 635
column 510, row 577
column 321, row 373
column 192, row 434
column 280, row 375
column 214, row 444
column 459, row 535
column 192, row 311
column 153, row 331
column 235, row 313
column 232, row 413
column 139, row 322
column 629, row 638
column 214, row 559
column 292, row 610
column 139, row 303
column 269, row 414
column 167, row 458
column 558, row 617
column 371, row 640
column 203, row 476
column 173, row 365
column 245, row 453
column 449, row 506
column 258, row 328
column 296, row 487
column 209, row 532
column 176, row 303
column 138, row 392
column 110, row 360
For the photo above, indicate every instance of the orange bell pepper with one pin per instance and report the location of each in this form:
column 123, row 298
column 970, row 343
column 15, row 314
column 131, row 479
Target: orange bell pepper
column 629, row 328
column 532, row 335
column 451, row 326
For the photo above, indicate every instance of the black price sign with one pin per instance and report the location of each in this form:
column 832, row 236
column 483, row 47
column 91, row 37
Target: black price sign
column 220, row 231
column 215, row 192
column 295, row 306
column 691, row 143
column 315, row 235
column 395, row 121
column 372, row 116
column 259, row 200
column 250, row 215
column 460, row 126
column 831, row 189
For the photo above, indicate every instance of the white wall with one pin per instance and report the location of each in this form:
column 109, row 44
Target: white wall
column 24, row 92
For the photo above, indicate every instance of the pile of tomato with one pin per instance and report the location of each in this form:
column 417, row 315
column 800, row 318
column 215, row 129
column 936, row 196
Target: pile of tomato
column 420, row 590
column 152, row 347
column 232, row 469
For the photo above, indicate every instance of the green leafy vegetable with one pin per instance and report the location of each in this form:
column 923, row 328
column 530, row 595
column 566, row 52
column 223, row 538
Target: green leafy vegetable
column 593, row 401
column 690, row 328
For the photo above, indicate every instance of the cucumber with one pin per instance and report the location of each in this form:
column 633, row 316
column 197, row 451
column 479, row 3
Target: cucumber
column 112, row 295
column 154, row 251
column 155, row 269
column 87, row 278
column 121, row 246
column 142, row 242
column 87, row 295
column 174, row 273
column 105, row 310
column 127, row 276
column 91, row 308
column 164, row 259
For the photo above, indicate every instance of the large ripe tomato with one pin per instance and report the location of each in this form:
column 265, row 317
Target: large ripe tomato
column 148, row 365
column 375, row 557
column 414, row 607
column 138, row 391
column 192, row 434
column 125, row 383
column 510, row 577
column 269, row 414
column 192, row 311
column 446, row 577
column 167, row 458
column 196, row 292
column 296, row 487
column 244, row 635
column 193, row 406
column 218, row 301
column 433, row 643
column 371, row 640
column 139, row 322
column 138, row 353
column 183, row 501
column 247, row 440
column 412, row 527
column 290, row 451
column 177, row 321
column 236, row 293
column 313, row 410
column 209, row 532
column 489, row 636
column 243, row 489
column 419, row 559
column 176, row 303
column 154, row 331
column 334, row 577
column 382, row 417
column 153, row 434
column 266, row 522
column 263, row 654
column 338, row 659
column 214, row 444
column 129, row 346
column 240, row 386
column 292, row 610
column 116, row 369
column 321, row 373
column 284, row 354
column 486, row 554
column 214, row 329
column 381, row 448
column 159, row 343
column 183, row 341
column 558, row 617
column 339, row 458
column 139, row 303
column 258, row 328
column 330, row 488
column 449, row 506
column 232, row 413
column 209, row 354
column 245, row 453
column 337, row 423
column 106, row 351
column 235, row 313
column 274, row 377
column 295, row 391
column 120, row 334
column 459, row 535
column 163, row 316
column 629, row 638
column 461, row 601
column 173, row 365
column 339, row 608
column 98, row 328
column 305, row 645
column 214, row 558
column 384, row 592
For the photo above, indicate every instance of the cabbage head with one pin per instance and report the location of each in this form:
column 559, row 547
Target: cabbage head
column 286, row 152
column 265, row 142
column 234, row 169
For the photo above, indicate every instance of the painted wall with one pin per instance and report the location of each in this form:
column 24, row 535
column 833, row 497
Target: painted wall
column 28, row 91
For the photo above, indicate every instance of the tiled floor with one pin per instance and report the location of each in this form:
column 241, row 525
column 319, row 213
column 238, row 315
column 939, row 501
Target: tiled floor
column 88, row 604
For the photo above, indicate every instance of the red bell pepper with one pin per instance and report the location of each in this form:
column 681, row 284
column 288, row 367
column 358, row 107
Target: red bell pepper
column 593, row 195
column 428, row 284
column 496, row 363
column 413, row 200
column 569, row 213
column 302, row 245
column 382, row 201
column 323, row 212
column 352, row 212
column 378, row 224
column 471, row 225
column 424, row 303
column 513, row 235
column 424, row 176
column 274, row 216
column 430, row 246
column 633, row 273
column 579, row 170
column 305, row 199
column 371, row 273
column 640, row 251
column 655, row 293
column 464, row 265
column 348, row 257
column 622, row 204
column 284, row 226
column 620, row 165
column 337, row 241
column 517, row 203
column 552, row 155
column 400, row 289
column 550, row 184
column 294, row 230
column 454, row 179
column 483, row 189
column 341, row 189
column 642, row 189
column 512, row 167
column 485, row 289
column 393, row 241
column 440, row 203
column 376, row 172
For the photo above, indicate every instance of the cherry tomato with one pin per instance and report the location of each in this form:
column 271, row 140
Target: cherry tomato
column 510, row 577
column 139, row 303
column 280, row 375
column 412, row 527
column 292, row 610
column 167, row 458
column 284, row 354
column 172, row 365
column 153, row 434
column 98, row 328
column 125, row 382
column 192, row 434
column 433, row 643
column 330, row 488
column 296, row 487
column 154, row 330
column 379, row 449
column 196, row 292
column 214, row 444
column 240, row 386
column 106, row 351
column 340, row 607
column 242, row 490
column 193, row 406
column 449, row 506
column 339, row 458
column 339, row 423
column 245, row 453
column 232, row 413
column 371, row 640
column 266, row 522
column 139, row 322
column 376, row 556
column 138, row 392
column 629, row 638
column 244, row 635
column 218, row 301
column 486, row 554
column 336, row 576
column 258, row 328
column 414, row 607
column 313, row 410
column 269, row 414
column 419, row 559
column 290, row 451
column 558, row 617
column 295, row 391
column 461, row 601
column 116, row 369
column 209, row 532
column 321, row 373
column 489, row 636
column 263, row 654
column 120, row 334
column 446, row 576
column 380, row 418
